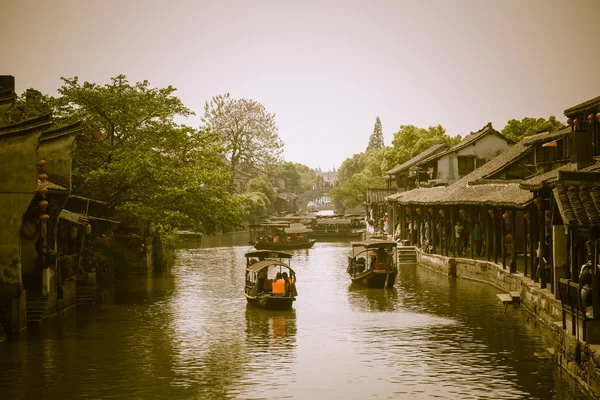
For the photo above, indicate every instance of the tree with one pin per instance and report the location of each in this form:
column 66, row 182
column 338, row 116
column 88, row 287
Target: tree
column 376, row 139
column 33, row 103
column 355, row 176
column 246, row 131
column 516, row 129
column 134, row 156
column 410, row 141
column 262, row 185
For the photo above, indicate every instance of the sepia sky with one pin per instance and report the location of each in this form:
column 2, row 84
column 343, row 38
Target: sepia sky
column 327, row 69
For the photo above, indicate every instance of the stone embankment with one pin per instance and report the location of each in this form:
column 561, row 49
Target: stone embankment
column 581, row 360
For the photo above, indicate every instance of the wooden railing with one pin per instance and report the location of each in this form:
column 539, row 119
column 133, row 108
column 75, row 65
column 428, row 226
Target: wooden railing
column 570, row 297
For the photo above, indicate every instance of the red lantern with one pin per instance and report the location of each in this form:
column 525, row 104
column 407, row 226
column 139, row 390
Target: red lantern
column 442, row 212
column 591, row 117
column 506, row 216
column 598, row 116
column 407, row 209
column 43, row 191
column 43, row 177
column 570, row 121
column 44, row 217
column 577, row 122
column 41, row 163
column 430, row 210
column 419, row 210
column 43, row 204
column 491, row 212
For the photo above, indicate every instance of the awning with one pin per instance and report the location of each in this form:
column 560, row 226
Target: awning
column 73, row 217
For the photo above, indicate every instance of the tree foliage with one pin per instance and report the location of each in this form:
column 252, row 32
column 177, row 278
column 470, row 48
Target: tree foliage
column 246, row 131
column 410, row 141
column 134, row 156
column 376, row 140
column 262, row 185
column 516, row 129
column 299, row 178
column 355, row 176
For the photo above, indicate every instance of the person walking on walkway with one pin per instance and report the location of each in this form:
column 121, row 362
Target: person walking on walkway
column 477, row 239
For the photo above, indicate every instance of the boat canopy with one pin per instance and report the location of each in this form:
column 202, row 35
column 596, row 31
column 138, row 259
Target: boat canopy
column 257, row 266
column 334, row 221
column 267, row 254
column 281, row 225
column 297, row 228
column 375, row 244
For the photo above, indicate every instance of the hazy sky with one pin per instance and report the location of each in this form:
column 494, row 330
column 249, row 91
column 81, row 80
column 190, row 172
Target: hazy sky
column 327, row 69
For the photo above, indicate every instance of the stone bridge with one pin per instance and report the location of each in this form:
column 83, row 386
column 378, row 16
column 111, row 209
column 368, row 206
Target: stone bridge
column 304, row 198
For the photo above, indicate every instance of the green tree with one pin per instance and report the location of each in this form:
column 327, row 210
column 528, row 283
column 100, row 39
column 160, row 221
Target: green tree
column 134, row 156
column 410, row 141
column 516, row 129
column 247, row 132
column 376, row 140
column 355, row 176
column 262, row 185
column 33, row 103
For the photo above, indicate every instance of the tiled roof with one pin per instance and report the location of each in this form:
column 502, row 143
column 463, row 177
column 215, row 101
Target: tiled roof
column 578, row 204
column 546, row 136
column 436, row 148
column 51, row 186
column 378, row 195
column 590, row 105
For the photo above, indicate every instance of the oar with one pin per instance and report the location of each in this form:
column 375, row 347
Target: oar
column 387, row 275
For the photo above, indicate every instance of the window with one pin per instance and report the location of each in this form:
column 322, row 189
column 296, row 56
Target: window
column 465, row 165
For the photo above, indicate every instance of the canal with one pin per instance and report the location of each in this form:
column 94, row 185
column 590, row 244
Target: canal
column 190, row 335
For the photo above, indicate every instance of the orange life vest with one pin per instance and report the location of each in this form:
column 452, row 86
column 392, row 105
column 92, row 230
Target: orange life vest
column 279, row 287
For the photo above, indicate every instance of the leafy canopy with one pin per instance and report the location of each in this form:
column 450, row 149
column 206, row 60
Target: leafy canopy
column 246, row 131
column 134, row 156
column 516, row 129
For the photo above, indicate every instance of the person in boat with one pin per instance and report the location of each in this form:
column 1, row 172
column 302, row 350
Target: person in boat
column 288, row 283
column 276, row 239
column 381, row 259
column 278, row 285
column 260, row 280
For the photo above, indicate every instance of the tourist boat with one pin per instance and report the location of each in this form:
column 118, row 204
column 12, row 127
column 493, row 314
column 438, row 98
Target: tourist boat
column 262, row 267
column 282, row 236
column 337, row 228
column 372, row 263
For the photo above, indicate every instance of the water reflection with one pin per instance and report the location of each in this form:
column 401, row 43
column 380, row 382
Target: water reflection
column 191, row 335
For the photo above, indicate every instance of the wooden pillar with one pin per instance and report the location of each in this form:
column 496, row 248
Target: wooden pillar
column 445, row 232
column 470, row 210
column 513, row 232
column 412, row 225
column 530, row 225
column 452, row 234
column 595, row 278
column 573, row 263
column 525, row 248
column 503, row 239
column 433, row 229
column 488, row 235
column 534, row 243
column 494, row 229
column 402, row 222
column 542, row 224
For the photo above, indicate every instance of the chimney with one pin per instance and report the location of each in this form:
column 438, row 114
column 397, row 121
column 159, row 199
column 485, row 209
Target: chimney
column 582, row 148
column 7, row 82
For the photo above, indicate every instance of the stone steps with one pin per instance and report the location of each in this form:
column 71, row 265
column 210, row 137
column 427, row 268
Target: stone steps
column 407, row 255
column 36, row 308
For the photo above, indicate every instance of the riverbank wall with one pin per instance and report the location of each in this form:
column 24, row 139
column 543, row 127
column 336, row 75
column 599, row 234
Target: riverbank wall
column 581, row 360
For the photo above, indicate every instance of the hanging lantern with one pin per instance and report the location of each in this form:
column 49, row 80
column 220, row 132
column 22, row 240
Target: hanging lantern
column 43, row 177
column 527, row 216
column 590, row 117
column 577, row 122
column 598, row 116
column 570, row 121
column 44, row 217
column 491, row 212
column 506, row 216
column 88, row 229
column 43, row 204
column 73, row 231
column 537, row 201
column 442, row 212
column 407, row 209
column 419, row 210
column 430, row 210
column 43, row 191
column 41, row 163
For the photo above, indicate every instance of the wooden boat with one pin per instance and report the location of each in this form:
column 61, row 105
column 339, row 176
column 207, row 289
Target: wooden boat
column 337, row 228
column 372, row 263
column 262, row 267
column 282, row 236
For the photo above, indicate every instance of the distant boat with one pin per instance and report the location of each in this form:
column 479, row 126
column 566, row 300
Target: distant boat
column 262, row 268
column 337, row 228
column 282, row 236
column 372, row 263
